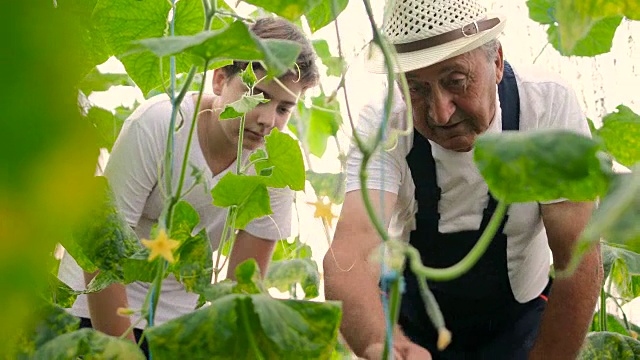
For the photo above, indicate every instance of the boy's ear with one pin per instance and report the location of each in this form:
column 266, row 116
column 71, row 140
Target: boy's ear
column 219, row 80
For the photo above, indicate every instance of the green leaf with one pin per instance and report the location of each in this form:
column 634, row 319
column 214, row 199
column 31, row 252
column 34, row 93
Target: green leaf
column 609, row 345
column 101, row 282
column 88, row 343
column 285, row 157
column 279, row 55
column 213, row 292
column 540, row 165
column 247, row 193
column 240, row 107
column 597, row 41
column 616, row 218
column 248, row 279
column 122, row 22
column 621, row 134
column 286, row 250
column 576, row 19
column 194, row 256
column 542, row 11
column 137, row 267
column 107, row 125
column 97, row 81
column 335, row 65
column 326, row 184
column 105, row 238
column 60, row 293
column 324, row 13
column 314, row 126
column 592, row 127
column 622, row 267
column 244, row 325
column 288, row 9
column 53, row 321
column 614, row 324
column 282, row 274
column 248, row 76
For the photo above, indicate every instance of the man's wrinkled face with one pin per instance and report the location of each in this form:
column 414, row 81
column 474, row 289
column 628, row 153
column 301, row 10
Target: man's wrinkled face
column 454, row 101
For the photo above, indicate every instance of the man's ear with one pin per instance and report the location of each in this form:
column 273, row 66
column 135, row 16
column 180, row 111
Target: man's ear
column 499, row 64
column 219, row 81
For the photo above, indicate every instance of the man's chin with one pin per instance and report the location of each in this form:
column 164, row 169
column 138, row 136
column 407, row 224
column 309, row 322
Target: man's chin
column 462, row 144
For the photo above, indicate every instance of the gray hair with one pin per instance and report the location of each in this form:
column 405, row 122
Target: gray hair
column 491, row 49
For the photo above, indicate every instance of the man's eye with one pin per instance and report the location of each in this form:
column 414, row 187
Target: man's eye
column 457, row 83
column 284, row 110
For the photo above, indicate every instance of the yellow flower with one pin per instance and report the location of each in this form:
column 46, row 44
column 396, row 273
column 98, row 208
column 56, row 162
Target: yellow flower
column 161, row 246
column 323, row 211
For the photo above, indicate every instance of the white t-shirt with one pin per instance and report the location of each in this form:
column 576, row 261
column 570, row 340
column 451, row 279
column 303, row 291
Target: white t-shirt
column 132, row 171
column 545, row 102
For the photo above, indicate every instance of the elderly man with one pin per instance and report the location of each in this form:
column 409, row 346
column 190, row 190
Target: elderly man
column 430, row 194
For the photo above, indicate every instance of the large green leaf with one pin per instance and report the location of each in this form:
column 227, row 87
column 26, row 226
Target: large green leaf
column 247, row 193
column 540, row 165
column 285, row 273
column 279, row 55
column 288, row 9
column 327, row 184
column 90, row 344
column 621, row 134
column 616, row 219
column 542, row 11
column 106, row 238
column 285, row 159
column 325, row 12
column 137, row 267
column 194, row 256
column 315, row 125
column 597, row 41
column 242, row 106
column 244, row 326
column 121, row 22
column 609, row 345
column 612, row 255
column 576, row 18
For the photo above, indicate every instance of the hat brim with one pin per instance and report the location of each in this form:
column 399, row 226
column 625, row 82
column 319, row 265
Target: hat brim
column 426, row 57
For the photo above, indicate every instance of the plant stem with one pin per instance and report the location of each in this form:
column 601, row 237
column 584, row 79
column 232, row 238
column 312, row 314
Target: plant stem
column 223, row 239
column 156, row 287
column 395, row 296
column 468, row 261
column 603, row 310
column 130, row 328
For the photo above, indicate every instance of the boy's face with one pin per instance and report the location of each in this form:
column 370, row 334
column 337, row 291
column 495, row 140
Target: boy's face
column 263, row 118
column 454, row 101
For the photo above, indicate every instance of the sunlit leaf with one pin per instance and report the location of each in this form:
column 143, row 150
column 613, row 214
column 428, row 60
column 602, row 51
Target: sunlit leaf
column 248, row 76
column 249, row 327
column 542, row 11
column 621, row 266
column 288, row 9
column 60, row 293
column 597, row 41
column 317, row 124
column 279, row 55
column 540, row 165
column 575, row 19
column 88, row 343
column 248, row 193
column 330, row 185
column 609, row 345
column 287, row 250
column 335, row 65
column 285, row 157
column 248, row 279
column 282, row 274
column 324, row 13
column 621, row 134
column 242, row 106
column 616, row 219
column 97, row 81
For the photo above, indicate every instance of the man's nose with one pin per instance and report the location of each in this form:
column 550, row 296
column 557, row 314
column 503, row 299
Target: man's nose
column 267, row 117
column 442, row 107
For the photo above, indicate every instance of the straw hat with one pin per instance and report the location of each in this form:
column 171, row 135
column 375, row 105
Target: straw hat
column 425, row 32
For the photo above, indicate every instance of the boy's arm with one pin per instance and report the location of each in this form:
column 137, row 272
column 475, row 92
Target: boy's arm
column 103, row 307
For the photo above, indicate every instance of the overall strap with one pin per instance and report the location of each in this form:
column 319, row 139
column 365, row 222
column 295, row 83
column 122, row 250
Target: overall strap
column 509, row 99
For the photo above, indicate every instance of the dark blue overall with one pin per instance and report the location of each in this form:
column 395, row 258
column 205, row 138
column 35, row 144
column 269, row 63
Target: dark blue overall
column 479, row 308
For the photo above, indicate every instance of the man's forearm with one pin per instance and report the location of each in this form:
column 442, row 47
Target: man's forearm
column 363, row 321
column 569, row 312
column 103, row 307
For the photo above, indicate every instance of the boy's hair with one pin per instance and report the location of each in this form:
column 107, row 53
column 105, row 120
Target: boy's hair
column 305, row 68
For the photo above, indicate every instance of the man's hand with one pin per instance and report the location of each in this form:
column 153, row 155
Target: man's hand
column 402, row 350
